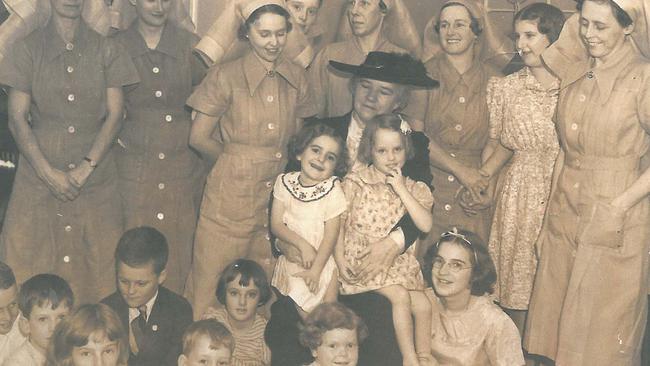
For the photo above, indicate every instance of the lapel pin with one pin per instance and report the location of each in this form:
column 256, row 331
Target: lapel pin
column 154, row 328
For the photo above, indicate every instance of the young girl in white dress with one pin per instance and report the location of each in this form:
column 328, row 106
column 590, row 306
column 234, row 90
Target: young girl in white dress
column 379, row 196
column 306, row 214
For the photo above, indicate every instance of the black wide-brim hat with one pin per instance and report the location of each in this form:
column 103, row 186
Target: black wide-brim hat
column 398, row 68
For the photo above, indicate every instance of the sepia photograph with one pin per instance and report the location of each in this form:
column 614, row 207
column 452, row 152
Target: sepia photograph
column 324, row 182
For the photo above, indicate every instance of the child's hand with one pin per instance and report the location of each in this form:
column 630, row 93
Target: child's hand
column 396, row 180
column 346, row 271
column 312, row 279
column 308, row 254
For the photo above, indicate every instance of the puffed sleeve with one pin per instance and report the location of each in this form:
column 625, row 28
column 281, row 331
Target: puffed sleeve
column 119, row 69
column 336, row 203
column 213, row 96
column 306, row 105
column 422, row 193
column 503, row 343
column 280, row 191
column 17, row 69
column 495, row 106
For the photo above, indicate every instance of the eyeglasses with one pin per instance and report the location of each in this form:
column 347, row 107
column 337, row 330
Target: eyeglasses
column 452, row 266
column 455, row 234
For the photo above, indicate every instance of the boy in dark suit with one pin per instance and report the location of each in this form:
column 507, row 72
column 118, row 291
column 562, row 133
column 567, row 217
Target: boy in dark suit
column 154, row 316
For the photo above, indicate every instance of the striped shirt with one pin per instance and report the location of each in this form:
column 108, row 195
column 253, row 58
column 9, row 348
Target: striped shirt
column 250, row 348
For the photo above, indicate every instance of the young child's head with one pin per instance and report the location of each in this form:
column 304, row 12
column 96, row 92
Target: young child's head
column 140, row 260
column 304, row 13
column 320, row 152
column 8, row 295
column 333, row 333
column 242, row 287
column 92, row 336
column 44, row 300
column 386, row 143
column 206, row 342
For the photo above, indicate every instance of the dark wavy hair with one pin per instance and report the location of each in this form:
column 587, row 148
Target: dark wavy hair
column 300, row 141
column 390, row 121
column 243, row 30
column 484, row 275
column 76, row 331
column 550, row 19
column 474, row 24
column 249, row 271
column 326, row 317
column 622, row 17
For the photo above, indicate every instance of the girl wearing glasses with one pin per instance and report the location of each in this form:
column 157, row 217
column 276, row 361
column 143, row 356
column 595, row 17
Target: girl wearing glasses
column 467, row 328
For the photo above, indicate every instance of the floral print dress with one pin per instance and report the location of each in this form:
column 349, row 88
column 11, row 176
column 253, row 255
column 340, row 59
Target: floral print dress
column 521, row 114
column 374, row 210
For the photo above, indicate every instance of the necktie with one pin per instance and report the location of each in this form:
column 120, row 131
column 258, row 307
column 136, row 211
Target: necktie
column 138, row 325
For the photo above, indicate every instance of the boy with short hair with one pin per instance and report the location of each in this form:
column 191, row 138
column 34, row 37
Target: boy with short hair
column 207, row 342
column 154, row 316
column 10, row 336
column 44, row 300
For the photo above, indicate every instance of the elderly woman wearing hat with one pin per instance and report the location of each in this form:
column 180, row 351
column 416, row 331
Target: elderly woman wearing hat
column 160, row 177
column 457, row 116
column 373, row 25
column 380, row 85
column 589, row 298
column 65, row 107
column 246, row 111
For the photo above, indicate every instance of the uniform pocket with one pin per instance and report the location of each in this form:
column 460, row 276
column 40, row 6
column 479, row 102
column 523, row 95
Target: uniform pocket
column 603, row 226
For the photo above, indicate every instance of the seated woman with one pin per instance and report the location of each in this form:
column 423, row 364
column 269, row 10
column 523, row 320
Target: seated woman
column 467, row 328
column 333, row 332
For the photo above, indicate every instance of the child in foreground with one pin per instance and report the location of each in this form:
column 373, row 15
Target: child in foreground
column 44, row 301
column 206, row 343
column 379, row 196
column 92, row 336
column 242, row 288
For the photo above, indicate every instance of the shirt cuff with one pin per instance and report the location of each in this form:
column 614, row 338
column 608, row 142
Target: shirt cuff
column 398, row 237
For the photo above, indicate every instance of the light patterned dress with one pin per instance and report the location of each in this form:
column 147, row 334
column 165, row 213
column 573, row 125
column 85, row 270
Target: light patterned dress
column 482, row 335
column 521, row 112
column 374, row 210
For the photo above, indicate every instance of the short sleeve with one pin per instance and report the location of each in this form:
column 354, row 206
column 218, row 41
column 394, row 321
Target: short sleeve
column 495, row 107
column 119, row 69
column 306, row 105
column 17, row 68
column 280, row 192
column 213, row 96
column 503, row 343
column 336, row 203
column 422, row 193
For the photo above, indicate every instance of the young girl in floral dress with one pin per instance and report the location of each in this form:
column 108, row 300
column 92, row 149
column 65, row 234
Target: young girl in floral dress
column 378, row 197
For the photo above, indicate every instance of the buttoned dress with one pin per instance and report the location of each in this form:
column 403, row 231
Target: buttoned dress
column 331, row 87
column 457, row 119
column 67, row 84
column 160, row 177
column 589, row 297
column 258, row 111
column 521, row 119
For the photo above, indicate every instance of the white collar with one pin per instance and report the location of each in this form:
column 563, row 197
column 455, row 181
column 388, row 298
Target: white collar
column 134, row 312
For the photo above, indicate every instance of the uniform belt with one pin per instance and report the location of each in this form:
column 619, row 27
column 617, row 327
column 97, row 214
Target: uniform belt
column 254, row 152
column 593, row 162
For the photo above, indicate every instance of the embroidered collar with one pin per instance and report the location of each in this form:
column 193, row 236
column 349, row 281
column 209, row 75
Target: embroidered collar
column 307, row 193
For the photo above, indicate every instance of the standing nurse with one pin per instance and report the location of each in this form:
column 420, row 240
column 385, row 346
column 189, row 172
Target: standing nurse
column 65, row 106
column 159, row 175
column 589, row 298
column 246, row 111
